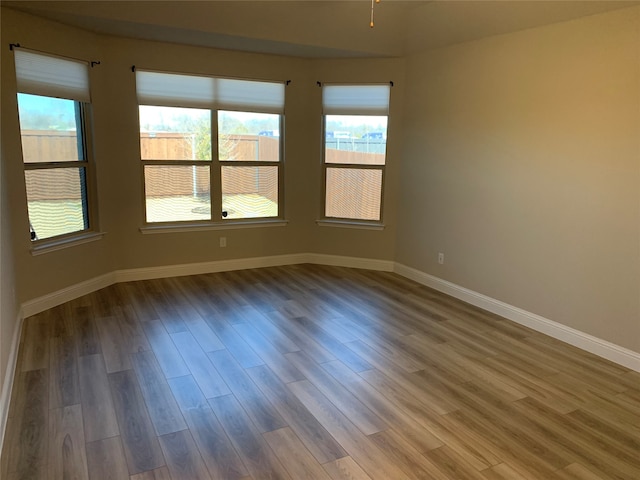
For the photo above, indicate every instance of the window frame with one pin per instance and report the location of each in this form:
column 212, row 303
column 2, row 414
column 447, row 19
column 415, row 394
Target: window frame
column 84, row 129
column 325, row 220
column 216, row 165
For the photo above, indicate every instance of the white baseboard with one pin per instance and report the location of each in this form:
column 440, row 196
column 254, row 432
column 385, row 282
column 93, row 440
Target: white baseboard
column 40, row 304
column 602, row 348
column 610, row 351
column 59, row 297
column 5, row 395
column 351, row 262
column 208, row 267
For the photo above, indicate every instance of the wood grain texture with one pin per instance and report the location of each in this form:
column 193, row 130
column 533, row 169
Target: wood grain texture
column 314, row 436
column 64, row 382
column 164, row 349
column 161, row 473
column 308, row 371
column 262, row 413
column 294, row 456
column 28, row 427
column 161, row 404
column 346, row 469
column 253, row 449
column 105, row 459
column 218, row 453
column 201, row 368
column 183, row 458
column 67, row 454
column 141, row 448
column 97, row 405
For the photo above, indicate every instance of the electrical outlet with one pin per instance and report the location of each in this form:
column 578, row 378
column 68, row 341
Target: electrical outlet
column 441, row 258
column 223, row 242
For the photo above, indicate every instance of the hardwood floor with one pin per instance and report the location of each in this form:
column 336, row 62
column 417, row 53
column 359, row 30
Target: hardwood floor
column 308, row 372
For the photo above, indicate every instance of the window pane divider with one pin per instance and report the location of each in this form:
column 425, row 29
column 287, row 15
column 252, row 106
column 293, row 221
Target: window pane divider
column 182, row 163
column 356, row 166
column 50, row 165
column 249, row 163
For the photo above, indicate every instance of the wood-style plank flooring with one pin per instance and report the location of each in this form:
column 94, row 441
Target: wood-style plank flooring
column 308, row 372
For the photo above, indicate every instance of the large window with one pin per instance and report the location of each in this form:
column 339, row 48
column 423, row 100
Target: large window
column 53, row 105
column 355, row 143
column 210, row 148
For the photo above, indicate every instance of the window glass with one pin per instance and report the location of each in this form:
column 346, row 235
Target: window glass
column 249, row 192
column 51, row 132
column 353, row 193
column 248, row 136
column 57, row 201
column 177, row 193
column 172, row 133
column 355, row 139
column 49, row 129
column 202, row 136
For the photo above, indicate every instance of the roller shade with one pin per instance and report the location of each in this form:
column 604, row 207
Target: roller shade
column 174, row 90
column 155, row 88
column 51, row 76
column 355, row 99
column 266, row 97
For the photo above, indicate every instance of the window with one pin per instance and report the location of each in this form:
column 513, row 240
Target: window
column 355, row 143
column 53, row 107
column 211, row 148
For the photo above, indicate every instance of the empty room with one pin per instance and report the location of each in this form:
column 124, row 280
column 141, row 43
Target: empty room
column 323, row 240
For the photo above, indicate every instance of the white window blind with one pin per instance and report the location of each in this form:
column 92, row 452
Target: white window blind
column 355, row 99
column 174, row 90
column 50, row 76
column 265, row 97
column 155, row 88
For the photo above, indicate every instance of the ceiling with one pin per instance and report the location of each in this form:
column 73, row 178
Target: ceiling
column 315, row 28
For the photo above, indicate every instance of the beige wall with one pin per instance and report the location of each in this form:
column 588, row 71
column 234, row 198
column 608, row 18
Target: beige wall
column 522, row 165
column 8, row 304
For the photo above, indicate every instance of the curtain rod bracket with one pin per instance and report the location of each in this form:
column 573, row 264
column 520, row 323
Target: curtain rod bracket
column 319, row 84
column 13, row 45
column 133, row 68
column 391, row 83
column 287, row 82
column 94, row 63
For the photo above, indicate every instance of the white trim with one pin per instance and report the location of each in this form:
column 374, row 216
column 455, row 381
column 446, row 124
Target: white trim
column 7, row 386
column 207, row 267
column 53, row 299
column 597, row 346
column 602, row 348
column 326, row 222
column 40, row 304
column 55, row 245
column 203, row 227
column 351, row 262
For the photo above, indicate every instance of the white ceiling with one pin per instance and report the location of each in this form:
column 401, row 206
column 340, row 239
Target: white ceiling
column 315, row 28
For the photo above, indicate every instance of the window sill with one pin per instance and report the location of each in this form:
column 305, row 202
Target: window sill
column 350, row 224
column 60, row 244
column 196, row 227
